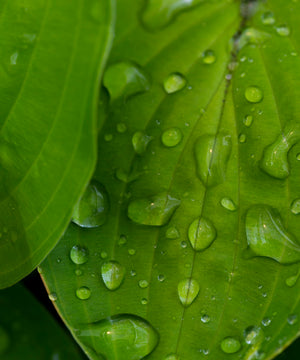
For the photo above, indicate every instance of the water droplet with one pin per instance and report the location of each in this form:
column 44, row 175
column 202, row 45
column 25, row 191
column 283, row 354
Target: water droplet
column 103, row 254
column 131, row 251
column 242, row 138
column 295, row 207
column 253, row 335
column 125, row 79
column 292, row 319
column 252, row 36
column 161, row 278
column 201, row 234
column 212, row 154
column 121, row 128
column 133, row 273
column 122, row 240
column 268, row 18
column 266, row 321
column 140, row 141
column 92, row 209
column 79, row 254
column 172, row 233
column 171, row 137
column 228, row 204
column 53, row 296
column 108, row 137
column 188, row 290
column 172, row 357
column 174, row 82
column 144, row 301
column 208, row 57
column 14, row 58
column 254, row 94
column 120, row 337
column 230, row 345
column 143, row 284
column 154, row 211
column 248, row 120
column 83, row 293
column 298, row 157
column 283, row 30
column 266, row 235
column 112, row 274
column 292, row 280
column 205, row 318
column 78, row 272
column 4, row 340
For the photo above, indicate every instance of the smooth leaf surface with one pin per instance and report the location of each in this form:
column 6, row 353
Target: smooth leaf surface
column 52, row 55
column 199, row 160
column 29, row 332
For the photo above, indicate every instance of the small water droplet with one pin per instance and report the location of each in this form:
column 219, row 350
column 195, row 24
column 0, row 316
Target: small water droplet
column 78, row 272
column 122, row 240
column 248, row 120
column 171, row 137
column 283, row 30
column 292, row 319
column 172, row 233
column 205, row 318
column 121, row 128
column 188, row 290
column 144, row 301
column 266, row 321
column 161, row 278
column 103, row 255
column 253, row 335
column 79, row 254
column 140, row 141
column 112, row 274
column 143, row 284
column 131, row 252
column 298, row 157
column 83, row 293
column 253, row 94
column 108, row 137
column 156, row 210
column 53, row 296
column 230, row 345
column 268, row 18
column 242, row 138
column 201, row 234
column 174, row 82
column 208, row 57
column 183, row 244
column 92, row 209
column 172, row 357
column 295, row 207
column 5, row 340
column 133, row 273
column 228, row 204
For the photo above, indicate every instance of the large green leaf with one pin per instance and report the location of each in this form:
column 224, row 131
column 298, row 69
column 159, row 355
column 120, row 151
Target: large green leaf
column 28, row 331
column 52, row 55
column 198, row 252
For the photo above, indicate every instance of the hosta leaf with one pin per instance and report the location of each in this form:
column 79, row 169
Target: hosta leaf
column 198, row 158
column 28, row 331
column 52, row 53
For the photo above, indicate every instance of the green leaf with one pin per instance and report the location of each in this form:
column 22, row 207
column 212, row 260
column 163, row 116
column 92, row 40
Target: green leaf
column 201, row 170
column 28, row 331
column 52, row 55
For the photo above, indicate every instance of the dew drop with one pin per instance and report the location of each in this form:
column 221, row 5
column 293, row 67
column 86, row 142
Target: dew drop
column 122, row 240
column 171, row 137
column 144, row 301
column 205, row 318
column 161, row 278
column 208, row 57
column 292, row 319
column 78, row 272
column 103, row 255
column 133, row 273
column 253, row 94
column 292, row 280
column 125, row 79
column 108, row 137
column 92, row 209
column 112, row 274
column 266, row 321
column 53, row 296
column 253, row 335
column 143, row 284
column 172, row 233
column 140, row 141
column 295, row 207
column 266, row 235
column 298, row 157
column 79, row 254
column 201, row 234
column 242, row 138
column 121, row 128
column 188, row 290
column 4, row 341
column 230, row 345
column 172, row 357
column 248, row 120
column 14, row 58
column 121, row 336
column 131, row 252
column 268, row 18
column 174, row 82
column 283, row 30
column 83, row 293
column 228, row 204
column 154, row 211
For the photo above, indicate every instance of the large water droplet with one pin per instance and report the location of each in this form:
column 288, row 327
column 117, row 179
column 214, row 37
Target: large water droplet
column 228, row 204
column 140, row 141
column 283, row 30
column 155, row 210
column 112, row 274
column 171, row 137
column 92, row 209
column 212, row 154
column 4, row 340
column 254, row 94
column 295, row 207
column 188, row 290
column 201, row 234
column 268, row 18
column 79, row 254
column 266, row 235
column 230, row 345
column 208, row 57
column 174, row 82
column 83, row 293
column 254, row 335
column 121, row 337
column 125, row 79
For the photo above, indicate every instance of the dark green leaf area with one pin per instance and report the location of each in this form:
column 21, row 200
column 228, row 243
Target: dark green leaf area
column 201, row 167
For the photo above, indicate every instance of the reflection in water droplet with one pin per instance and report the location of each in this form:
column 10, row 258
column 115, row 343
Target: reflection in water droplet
column 212, row 154
column 125, row 79
column 248, row 120
column 230, row 345
column 112, row 274
column 266, row 235
column 140, row 141
column 121, row 337
column 154, row 211
column 79, row 254
column 254, row 94
column 143, row 284
column 268, row 18
column 92, row 209
column 283, row 30
column 266, row 321
column 228, row 204
column 292, row 319
column 201, row 234
column 254, row 335
column 205, row 318
column 172, row 233
column 4, row 340
column 83, row 293
column 53, row 296
column 174, row 82
column 188, row 290
column 171, row 137
column 208, row 57
column 295, row 207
